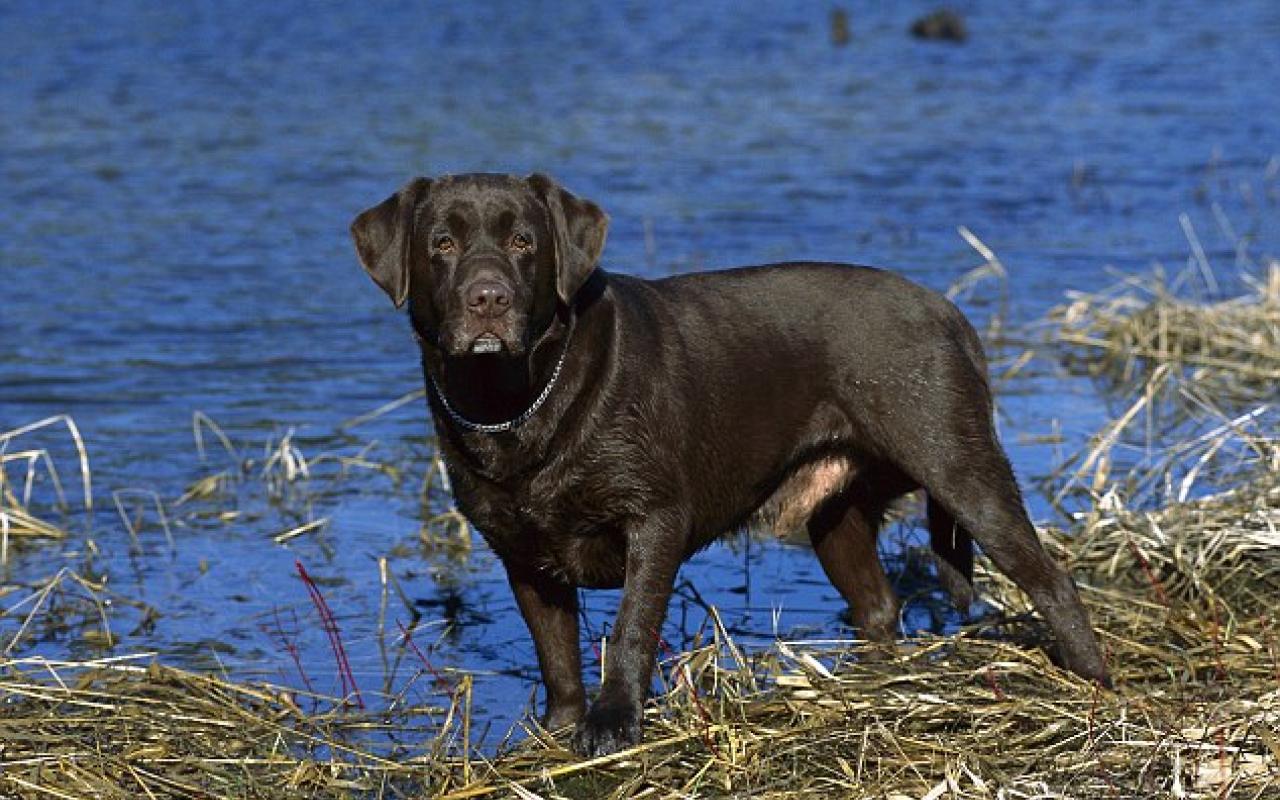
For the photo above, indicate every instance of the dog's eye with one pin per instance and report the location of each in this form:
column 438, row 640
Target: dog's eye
column 444, row 244
column 520, row 243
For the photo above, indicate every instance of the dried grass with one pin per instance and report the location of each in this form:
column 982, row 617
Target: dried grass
column 1229, row 348
column 114, row 729
column 1196, row 712
column 1180, row 597
column 18, row 522
column 1180, row 593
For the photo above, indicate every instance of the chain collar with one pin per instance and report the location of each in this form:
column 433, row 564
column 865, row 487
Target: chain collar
column 513, row 423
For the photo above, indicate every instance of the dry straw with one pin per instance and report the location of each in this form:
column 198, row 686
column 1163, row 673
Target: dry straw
column 1182, row 595
column 1230, row 348
column 1196, row 710
column 17, row 521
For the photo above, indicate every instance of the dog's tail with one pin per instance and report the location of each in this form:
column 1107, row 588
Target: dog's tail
column 953, row 555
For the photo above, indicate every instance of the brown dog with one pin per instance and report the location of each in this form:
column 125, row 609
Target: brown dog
column 600, row 429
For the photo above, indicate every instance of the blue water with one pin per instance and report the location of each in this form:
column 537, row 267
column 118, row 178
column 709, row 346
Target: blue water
column 176, row 182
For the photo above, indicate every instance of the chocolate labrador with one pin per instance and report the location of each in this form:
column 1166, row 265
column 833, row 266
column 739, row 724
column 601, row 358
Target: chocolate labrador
column 600, row 429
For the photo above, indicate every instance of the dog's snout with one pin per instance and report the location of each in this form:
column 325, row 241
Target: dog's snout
column 489, row 298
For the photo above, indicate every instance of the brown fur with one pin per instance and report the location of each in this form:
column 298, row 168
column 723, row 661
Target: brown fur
column 678, row 409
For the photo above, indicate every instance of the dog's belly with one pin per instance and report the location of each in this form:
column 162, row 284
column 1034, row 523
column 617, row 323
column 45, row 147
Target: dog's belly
column 788, row 509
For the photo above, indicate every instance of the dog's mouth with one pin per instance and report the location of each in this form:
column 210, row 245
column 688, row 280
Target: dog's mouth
column 487, row 343
column 491, row 339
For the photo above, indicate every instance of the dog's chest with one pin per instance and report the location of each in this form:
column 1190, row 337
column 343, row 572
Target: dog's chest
column 570, row 524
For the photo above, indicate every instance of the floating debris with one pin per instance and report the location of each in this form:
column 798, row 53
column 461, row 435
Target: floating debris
column 942, row 25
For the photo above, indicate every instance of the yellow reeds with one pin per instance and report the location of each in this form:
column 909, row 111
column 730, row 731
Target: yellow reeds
column 1182, row 594
column 1230, row 348
column 17, row 519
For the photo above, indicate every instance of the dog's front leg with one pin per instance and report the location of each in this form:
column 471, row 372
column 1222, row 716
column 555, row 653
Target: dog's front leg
column 550, row 609
column 655, row 549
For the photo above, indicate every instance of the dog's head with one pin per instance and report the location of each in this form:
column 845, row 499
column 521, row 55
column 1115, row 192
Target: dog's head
column 484, row 260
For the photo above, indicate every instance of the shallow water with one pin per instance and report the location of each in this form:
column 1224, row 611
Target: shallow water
column 176, row 183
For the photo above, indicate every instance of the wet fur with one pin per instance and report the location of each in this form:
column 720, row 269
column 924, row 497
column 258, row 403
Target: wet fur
column 811, row 393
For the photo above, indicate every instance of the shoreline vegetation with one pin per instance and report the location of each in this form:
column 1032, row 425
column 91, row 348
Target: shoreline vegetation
column 1178, row 560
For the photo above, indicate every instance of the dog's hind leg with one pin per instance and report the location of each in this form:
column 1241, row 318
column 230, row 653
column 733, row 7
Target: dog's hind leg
column 947, row 443
column 843, row 531
column 953, row 555
column 979, row 491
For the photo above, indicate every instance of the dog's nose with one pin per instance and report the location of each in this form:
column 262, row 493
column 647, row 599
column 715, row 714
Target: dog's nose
column 489, row 298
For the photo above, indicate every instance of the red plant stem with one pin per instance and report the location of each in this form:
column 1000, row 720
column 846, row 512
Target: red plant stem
column 995, row 683
column 1217, row 640
column 703, row 716
column 408, row 639
column 1093, row 709
column 1151, row 575
column 330, row 624
column 291, row 647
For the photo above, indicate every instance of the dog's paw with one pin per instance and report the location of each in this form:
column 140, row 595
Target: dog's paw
column 608, row 728
column 563, row 715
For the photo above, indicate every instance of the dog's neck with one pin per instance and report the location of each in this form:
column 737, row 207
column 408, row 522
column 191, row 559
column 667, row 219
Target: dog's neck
column 492, row 389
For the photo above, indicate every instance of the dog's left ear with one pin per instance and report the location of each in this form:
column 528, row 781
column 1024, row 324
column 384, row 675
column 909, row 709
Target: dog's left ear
column 579, row 228
column 383, row 235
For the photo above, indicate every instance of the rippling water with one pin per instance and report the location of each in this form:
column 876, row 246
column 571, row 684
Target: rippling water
column 176, row 182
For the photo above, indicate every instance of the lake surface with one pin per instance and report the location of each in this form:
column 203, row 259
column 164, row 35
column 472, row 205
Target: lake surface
column 176, row 182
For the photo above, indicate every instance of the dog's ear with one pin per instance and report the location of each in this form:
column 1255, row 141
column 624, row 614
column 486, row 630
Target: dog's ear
column 383, row 235
column 579, row 228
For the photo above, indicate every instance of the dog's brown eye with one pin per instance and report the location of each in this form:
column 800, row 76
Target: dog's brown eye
column 444, row 244
column 520, row 242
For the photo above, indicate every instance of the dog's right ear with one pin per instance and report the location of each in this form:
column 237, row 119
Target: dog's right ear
column 383, row 235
